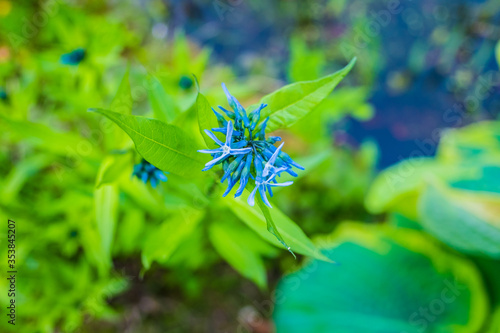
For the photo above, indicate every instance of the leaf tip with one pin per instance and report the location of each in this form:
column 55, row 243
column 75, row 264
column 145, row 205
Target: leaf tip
column 196, row 82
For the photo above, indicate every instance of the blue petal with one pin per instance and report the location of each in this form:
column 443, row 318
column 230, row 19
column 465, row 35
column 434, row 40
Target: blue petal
column 230, row 114
column 262, row 192
column 215, row 161
column 230, row 186
column 213, row 137
column 240, row 151
column 251, row 197
column 282, row 184
column 229, row 133
column 154, row 182
column 211, row 151
column 160, row 175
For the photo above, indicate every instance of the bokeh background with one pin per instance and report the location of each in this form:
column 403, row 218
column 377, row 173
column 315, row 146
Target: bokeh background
column 402, row 188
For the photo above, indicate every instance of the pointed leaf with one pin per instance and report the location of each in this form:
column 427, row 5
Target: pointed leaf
column 165, row 146
column 256, row 220
column 292, row 102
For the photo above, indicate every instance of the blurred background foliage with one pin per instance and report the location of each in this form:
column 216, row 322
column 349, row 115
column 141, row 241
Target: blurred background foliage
column 99, row 251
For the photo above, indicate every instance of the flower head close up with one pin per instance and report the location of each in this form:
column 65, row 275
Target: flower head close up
column 146, row 171
column 246, row 153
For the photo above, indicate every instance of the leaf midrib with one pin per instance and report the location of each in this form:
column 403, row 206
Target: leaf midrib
column 299, row 100
column 150, row 139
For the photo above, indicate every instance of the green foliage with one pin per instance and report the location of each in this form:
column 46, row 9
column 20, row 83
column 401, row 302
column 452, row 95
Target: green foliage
column 289, row 104
column 165, row 146
column 91, row 238
column 206, row 118
column 454, row 196
column 259, row 222
column 241, row 249
column 430, row 289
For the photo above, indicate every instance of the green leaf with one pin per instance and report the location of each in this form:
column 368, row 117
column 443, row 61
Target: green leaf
column 271, row 226
column 165, row 146
column 123, row 102
column 112, row 167
column 106, row 210
column 397, row 187
column 292, row 102
column 164, row 240
column 231, row 244
column 387, row 280
column 255, row 218
column 163, row 104
column 468, row 221
column 206, row 118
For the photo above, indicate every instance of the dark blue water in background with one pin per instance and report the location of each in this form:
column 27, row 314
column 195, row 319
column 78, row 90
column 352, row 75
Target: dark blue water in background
column 439, row 68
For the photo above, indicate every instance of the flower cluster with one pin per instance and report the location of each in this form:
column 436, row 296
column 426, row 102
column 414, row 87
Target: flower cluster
column 73, row 58
column 247, row 153
column 146, row 171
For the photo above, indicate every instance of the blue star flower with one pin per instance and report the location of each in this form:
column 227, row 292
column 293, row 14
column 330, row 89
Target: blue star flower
column 226, row 149
column 73, row 58
column 245, row 143
column 146, row 171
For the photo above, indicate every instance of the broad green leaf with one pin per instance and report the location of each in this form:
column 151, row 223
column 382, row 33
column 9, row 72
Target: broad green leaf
column 112, row 167
column 206, row 118
column 161, row 243
column 256, row 220
column 123, row 102
column 231, row 244
column 398, row 187
column 387, row 280
column 163, row 104
column 398, row 184
column 106, row 210
column 165, row 146
column 466, row 220
column 292, row 102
